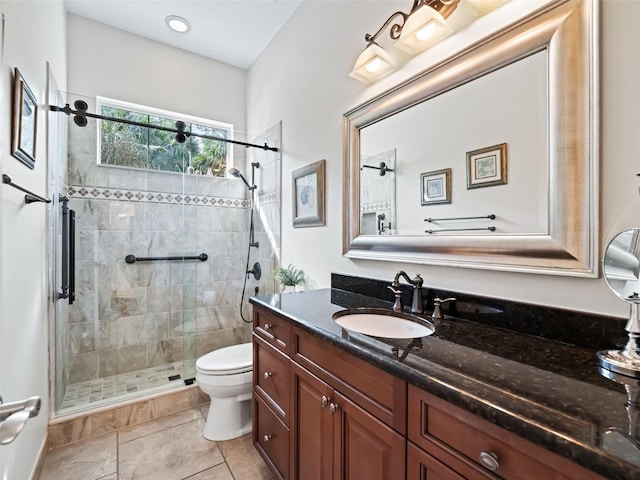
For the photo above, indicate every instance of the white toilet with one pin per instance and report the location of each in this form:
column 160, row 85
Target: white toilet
column 226, row 375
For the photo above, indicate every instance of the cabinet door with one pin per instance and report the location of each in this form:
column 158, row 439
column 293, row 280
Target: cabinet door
column 271, row 438
column 312, row 426
column 422, row 466
column 364, row 447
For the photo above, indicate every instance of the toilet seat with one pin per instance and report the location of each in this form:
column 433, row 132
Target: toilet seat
column 227, row 361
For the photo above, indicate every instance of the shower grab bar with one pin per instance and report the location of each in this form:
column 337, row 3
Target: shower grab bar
column 491, row 229
column 30, row 197
column 133, row 259
column 490, row 217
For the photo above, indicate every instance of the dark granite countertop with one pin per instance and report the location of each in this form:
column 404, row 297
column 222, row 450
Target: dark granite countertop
column 549, row 392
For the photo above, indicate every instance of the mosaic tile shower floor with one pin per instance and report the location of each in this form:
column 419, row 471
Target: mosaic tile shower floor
column 120, row 386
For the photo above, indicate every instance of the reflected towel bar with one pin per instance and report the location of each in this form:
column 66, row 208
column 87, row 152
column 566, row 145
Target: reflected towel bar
column 133, row 259
column 491, row 229
column 30, row 197
column 490, row 217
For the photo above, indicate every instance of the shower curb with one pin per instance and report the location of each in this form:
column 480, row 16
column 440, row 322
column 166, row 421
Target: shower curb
column 65, row 431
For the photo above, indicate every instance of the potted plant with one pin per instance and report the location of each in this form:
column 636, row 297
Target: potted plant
column 290, row 277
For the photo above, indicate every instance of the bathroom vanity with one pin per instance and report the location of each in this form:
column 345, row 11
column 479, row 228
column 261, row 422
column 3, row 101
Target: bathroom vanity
column 329, row 403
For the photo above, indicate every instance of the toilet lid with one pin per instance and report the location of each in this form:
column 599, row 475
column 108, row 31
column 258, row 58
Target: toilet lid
column 227, row 360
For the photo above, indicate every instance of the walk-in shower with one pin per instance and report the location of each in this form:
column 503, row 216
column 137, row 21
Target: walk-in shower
column 161, row 257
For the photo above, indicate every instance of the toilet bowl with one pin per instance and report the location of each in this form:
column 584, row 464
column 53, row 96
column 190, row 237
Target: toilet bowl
column 226, row 375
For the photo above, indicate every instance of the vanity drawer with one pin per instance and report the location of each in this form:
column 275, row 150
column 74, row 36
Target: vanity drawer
column 378, row 392
column 271, row 438
column 273, row 329
column 271, row 376
column 454, row 435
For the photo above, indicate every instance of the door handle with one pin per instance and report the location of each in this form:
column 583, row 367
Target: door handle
column 14, row 416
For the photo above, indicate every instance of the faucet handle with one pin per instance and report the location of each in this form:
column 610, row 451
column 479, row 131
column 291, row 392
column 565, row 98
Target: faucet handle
column 397, row 306
column 437, row 314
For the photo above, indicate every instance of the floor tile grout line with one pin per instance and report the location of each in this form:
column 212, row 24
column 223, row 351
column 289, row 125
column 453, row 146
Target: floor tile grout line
column 197, row 408
column 225, row 461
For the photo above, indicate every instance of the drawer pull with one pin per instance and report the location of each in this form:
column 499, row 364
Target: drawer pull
column 266, row 438
column 489, row 461
column 332, row 408
column 267, row 326
column 267, row 375
column 324, row 401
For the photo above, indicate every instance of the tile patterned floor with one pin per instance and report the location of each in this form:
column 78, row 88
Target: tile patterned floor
column 118, row 386
column 169, row 448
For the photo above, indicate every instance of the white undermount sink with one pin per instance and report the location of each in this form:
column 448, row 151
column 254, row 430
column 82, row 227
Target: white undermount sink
column 383, row 323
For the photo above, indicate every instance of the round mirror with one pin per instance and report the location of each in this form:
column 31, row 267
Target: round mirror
column 621, row 265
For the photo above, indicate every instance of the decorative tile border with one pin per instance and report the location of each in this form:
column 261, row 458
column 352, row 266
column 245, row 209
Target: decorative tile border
column 374, row 207
column 126, row 195
column 267, row 198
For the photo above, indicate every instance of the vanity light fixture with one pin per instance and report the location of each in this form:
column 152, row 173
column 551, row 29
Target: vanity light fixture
column 482, row 7
column 421, row 28
column 424, row 27
column 177, row 24
column 372, row 63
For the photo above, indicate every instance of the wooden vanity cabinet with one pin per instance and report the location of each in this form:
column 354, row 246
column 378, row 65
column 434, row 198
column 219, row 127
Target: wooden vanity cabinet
column 340, row 417
column 321, row 413
column 473, row 448
column 271, row 388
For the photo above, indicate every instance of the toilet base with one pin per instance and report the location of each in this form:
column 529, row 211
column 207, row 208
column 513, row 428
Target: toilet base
column 227, row 418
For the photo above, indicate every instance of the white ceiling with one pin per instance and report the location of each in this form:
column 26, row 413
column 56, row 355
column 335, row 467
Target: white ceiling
column 230, row 31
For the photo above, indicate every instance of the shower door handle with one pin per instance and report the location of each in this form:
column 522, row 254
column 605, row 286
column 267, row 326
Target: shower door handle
column 68, row 251
column 72, row 256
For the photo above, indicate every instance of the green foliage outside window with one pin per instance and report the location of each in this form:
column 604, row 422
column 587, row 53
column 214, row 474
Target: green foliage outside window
column 150, row 148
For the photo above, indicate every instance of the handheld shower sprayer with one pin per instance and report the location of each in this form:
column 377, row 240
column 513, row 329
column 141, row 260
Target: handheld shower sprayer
column 236, row 173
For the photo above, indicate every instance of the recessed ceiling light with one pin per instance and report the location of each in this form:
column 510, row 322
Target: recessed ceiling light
column 177, row 24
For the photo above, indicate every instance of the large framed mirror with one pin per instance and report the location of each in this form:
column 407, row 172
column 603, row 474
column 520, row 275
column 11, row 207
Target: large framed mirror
column 513, row 120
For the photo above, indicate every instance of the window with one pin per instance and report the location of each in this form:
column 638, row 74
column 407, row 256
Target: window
column 151, row 148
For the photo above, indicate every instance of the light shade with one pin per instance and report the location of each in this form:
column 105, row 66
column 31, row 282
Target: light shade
column 177, row 24
column 372, row 63
column 424, row 28
column 480, row 7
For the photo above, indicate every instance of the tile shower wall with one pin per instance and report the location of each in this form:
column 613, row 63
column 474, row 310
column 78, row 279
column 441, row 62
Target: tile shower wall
column 129, row 317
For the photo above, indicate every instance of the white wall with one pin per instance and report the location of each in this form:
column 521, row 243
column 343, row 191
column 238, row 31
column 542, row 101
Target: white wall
column 112, row 63
column 34, row 34
column 302, row 79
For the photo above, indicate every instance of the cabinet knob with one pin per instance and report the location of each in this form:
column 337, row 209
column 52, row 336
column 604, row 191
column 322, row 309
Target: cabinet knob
column 489, row 460
column 267, row 326
column 324, row 401
column 332, row 408
column 267, row 375
column 266, row 438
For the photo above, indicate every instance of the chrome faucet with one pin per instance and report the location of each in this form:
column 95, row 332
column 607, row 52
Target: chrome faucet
column 416, row 304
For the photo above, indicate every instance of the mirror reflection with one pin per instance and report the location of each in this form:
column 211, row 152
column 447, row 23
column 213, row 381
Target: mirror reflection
column 378, row 193
column 507, row 106
column 621, row 264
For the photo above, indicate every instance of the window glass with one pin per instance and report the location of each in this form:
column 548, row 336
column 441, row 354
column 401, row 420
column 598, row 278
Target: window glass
column 143, row 146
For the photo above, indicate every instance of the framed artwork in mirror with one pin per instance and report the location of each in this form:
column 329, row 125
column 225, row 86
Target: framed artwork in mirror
column 487, row 167
column 25, row 121
column 308, row 195
column 435, row 187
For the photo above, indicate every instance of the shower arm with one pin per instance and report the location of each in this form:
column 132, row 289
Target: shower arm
column 82, row 114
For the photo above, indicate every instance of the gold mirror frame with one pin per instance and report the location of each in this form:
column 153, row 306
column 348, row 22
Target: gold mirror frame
column 568, row 31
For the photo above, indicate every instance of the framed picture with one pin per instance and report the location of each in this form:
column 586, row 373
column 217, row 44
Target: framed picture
column 25, row 121
column 487, row 167
column 308, row 195
column 435, row 187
